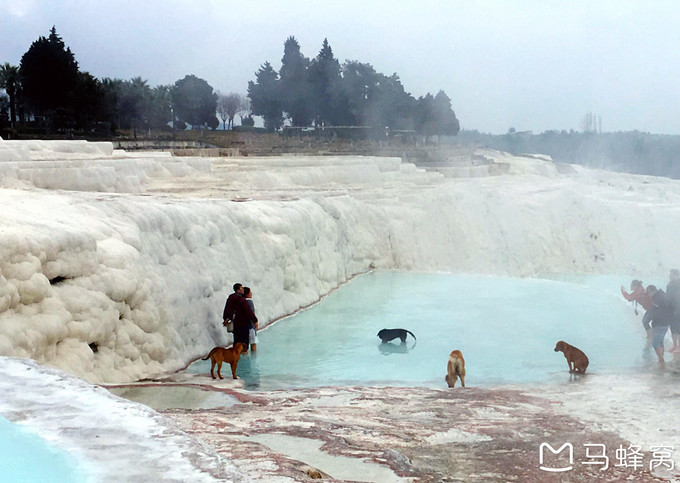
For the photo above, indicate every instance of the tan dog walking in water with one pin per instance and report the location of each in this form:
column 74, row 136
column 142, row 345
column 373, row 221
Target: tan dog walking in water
column 219, row 355
column 455, row 369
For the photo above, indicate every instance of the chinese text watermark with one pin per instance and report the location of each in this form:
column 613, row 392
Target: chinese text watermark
column 596, row 454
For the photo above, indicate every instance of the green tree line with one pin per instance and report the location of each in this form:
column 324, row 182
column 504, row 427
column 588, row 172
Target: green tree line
column 48, row 91
column 323, row 92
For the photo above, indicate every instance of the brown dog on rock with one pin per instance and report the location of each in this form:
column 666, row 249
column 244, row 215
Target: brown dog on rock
column 231, row 356
column 576, row 359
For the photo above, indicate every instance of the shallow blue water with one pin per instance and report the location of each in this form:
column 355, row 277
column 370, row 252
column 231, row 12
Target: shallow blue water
column 25, row 457
column 506, row 328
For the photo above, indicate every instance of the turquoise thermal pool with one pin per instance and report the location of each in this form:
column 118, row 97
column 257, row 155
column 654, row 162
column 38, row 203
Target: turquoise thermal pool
column 506, row 328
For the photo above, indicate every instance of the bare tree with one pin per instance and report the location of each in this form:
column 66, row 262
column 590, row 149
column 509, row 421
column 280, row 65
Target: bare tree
column 244, row 107
column 222, row 108
column 227, row 107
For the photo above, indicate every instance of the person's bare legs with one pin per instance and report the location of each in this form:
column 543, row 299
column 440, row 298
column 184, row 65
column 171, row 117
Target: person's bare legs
column 659, row 354
column 676, row 343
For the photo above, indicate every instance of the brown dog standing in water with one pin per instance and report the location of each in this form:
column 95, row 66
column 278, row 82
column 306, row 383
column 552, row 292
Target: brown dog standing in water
column 576, row 359
column 455, row 369
column 219, row 355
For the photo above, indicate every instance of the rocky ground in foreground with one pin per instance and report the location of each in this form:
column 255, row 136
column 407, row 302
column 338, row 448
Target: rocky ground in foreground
column 420, row 434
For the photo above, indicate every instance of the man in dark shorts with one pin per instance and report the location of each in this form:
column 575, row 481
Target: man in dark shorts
column 660, row 316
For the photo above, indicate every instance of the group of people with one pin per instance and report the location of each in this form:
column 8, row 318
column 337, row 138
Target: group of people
column 240, row 310
column 662, row 311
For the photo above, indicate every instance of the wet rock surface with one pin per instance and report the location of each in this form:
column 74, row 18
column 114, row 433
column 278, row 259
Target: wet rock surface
column 405, row 434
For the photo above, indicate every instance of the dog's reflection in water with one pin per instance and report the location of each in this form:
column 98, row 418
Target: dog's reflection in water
column 576, row 377
column 249, row 371
column 389, row 348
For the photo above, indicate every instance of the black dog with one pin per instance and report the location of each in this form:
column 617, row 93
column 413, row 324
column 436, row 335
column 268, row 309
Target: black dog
column 387, row 335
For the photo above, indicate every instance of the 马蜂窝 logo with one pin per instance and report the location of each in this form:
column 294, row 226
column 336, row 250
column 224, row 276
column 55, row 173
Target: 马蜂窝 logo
column 555, row 452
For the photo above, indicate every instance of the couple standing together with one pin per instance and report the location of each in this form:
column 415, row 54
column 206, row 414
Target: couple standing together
column 241, row 311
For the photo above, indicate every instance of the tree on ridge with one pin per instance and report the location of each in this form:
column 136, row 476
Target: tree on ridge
column 10, row 82
column 49, row 76
column 294, row 84
column 264, row 97
column 195, row 102
column 324, row 76
column 227, row 107
column 244, row 110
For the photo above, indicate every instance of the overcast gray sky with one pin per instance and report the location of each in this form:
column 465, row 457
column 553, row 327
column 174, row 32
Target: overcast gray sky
column 532, row 65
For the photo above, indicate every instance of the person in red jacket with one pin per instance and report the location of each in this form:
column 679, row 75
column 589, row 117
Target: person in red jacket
column 238, row 310
column 639, row 295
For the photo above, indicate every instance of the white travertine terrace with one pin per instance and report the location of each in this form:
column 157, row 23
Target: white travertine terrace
column 136, row 252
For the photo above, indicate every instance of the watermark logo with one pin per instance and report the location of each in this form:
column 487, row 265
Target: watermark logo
column 555, row 452
column 661, row 457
